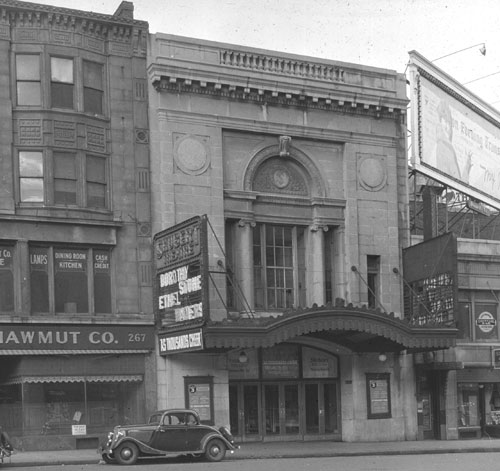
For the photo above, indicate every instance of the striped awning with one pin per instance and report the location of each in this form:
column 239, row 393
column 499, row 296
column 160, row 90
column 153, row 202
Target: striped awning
column 69, row 352
column 75, row 379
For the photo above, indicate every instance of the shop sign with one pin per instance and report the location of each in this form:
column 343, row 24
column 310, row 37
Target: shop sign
column 79, row 429
column 180, row 342
column 317, row 364
column 486, row 325
column 76, row 337
column 181, row 279
column 486, row 322
column 281, row 361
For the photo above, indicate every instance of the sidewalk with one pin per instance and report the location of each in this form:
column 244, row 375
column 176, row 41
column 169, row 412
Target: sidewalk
column 270, row 450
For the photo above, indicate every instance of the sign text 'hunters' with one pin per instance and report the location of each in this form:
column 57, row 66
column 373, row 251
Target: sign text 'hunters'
column 181, row 342
column 180, row 280
column 181, row 287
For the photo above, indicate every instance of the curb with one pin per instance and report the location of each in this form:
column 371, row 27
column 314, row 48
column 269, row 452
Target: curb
column 235, row 457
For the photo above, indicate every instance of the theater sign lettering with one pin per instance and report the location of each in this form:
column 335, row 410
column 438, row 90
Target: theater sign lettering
column 181, row 300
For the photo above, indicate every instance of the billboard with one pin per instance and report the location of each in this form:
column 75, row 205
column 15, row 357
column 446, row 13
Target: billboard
column 181, row 274
column 455, row 135
column 430, row 275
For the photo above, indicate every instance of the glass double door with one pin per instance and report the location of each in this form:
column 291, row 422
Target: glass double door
column 286, row 409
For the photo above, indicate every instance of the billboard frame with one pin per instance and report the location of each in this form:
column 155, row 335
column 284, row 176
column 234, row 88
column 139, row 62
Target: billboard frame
column 474, row 109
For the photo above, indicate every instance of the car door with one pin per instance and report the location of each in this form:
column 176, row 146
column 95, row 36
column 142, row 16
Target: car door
column 194, row 433
column 170, row 435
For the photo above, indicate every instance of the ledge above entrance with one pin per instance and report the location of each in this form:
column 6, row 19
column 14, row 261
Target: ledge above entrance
column 358, row 328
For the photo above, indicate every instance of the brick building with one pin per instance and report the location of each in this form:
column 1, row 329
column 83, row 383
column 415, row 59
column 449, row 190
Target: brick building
column 76, row 323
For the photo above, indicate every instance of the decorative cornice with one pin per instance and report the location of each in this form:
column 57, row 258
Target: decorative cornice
column 37, row 8
column 31, row 15
column 352, row 106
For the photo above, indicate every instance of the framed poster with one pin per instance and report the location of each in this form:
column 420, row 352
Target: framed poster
column 378, row 395
column 199, row 393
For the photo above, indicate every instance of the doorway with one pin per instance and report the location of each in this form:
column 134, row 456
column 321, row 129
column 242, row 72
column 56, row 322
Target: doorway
column 284, row 410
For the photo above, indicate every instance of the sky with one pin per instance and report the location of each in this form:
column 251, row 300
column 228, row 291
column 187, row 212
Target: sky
column 377, row 33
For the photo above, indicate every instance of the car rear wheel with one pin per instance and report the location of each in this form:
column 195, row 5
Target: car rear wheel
column 216, row 450
column 126, row 453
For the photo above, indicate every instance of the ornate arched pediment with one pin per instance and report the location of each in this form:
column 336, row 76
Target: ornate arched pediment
column 294, row 174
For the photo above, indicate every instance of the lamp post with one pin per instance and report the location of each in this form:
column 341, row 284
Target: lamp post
column 482, row 50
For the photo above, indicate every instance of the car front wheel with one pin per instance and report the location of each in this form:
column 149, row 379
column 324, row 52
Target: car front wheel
column 126, row 453
column 108, row 458
column 216, row 450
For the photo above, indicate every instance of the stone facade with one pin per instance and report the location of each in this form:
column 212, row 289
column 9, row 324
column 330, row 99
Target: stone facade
column 263, row 141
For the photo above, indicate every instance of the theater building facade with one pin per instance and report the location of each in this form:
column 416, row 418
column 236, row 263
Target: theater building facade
column 76, row 319
column 280, row 211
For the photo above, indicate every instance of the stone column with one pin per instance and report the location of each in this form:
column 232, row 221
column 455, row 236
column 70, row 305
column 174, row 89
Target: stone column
column 341, row 288
column 316, row 266
column 244, row 264
column 22, row 279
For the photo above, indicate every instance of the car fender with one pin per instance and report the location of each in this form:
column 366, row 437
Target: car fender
column 220, row 437
column 143, row 448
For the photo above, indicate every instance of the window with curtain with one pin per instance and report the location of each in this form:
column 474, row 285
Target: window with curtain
column 65, row 178
column 93, row 87
column 96, row 182
column 62, row 83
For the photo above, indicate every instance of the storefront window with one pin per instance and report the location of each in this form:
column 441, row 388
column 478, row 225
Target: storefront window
column 468, row 405
column 53, row 408
column 492, row 403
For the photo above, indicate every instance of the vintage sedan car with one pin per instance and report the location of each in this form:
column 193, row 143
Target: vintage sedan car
column 170, row 432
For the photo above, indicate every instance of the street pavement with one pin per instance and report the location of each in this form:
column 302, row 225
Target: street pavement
column 266, row 450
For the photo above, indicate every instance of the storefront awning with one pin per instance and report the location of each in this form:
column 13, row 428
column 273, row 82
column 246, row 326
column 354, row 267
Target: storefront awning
column 359, row 329
column 75, row 379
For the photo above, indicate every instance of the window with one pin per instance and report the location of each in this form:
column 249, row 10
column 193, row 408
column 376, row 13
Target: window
column 6, row 279
column 93, row 88
column 77, row 274
column 62, row 83
column 96, row 182
column 28, row 79
column 76, row 179
column 468, row 405
column 75, row 84
column 31, row 184
column 64, row 178
column 373, row 270
column 70, row 280
column 279, row 257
